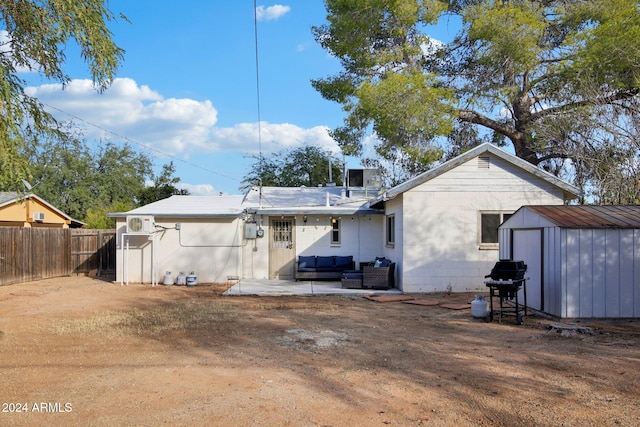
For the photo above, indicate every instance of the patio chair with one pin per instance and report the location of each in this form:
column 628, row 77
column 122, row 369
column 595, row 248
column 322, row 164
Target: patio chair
column 378, row 277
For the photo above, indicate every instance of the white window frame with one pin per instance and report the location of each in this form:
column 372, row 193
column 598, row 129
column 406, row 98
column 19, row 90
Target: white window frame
column 336, row 229
column 390, row 230
column 490, row 245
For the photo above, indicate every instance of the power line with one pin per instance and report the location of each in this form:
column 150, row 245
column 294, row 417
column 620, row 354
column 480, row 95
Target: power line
column 255, row 35
column 143, row 146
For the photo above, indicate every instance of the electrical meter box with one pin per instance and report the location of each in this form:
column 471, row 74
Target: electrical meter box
column 250, row 230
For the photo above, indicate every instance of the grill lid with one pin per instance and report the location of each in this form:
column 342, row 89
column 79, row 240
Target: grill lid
column 507, row 269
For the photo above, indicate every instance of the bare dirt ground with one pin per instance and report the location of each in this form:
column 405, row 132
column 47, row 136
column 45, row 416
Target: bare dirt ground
column 80, row 351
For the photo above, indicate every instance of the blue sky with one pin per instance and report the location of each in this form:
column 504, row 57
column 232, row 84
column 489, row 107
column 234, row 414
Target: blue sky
column 187, row 87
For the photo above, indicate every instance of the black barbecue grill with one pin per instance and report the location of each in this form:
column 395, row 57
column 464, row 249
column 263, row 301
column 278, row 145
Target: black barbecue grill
column 507, row 277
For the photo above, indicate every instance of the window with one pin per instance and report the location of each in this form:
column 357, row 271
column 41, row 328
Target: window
column 391, row 230
column 488, row 230
column 335, row 231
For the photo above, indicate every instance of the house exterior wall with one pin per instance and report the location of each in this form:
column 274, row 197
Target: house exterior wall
column 211, row 248
column 359, row 236
column 441, row 217
column 217, row 250
column 21, row 214
column 394, row 252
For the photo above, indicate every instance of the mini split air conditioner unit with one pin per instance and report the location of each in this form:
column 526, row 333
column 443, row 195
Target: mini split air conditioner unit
column 38, row 216
column 140, row 224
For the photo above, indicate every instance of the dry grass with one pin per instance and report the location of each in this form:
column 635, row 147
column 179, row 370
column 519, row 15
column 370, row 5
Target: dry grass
column 181, row 315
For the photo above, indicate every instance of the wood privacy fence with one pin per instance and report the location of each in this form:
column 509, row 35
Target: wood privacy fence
column 28, row 254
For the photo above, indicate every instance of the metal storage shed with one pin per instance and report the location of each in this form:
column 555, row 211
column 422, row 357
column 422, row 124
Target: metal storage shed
column 583, row 261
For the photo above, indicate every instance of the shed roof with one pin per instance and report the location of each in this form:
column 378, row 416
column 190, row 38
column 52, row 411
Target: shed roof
column 570, row 191
column 590, row 216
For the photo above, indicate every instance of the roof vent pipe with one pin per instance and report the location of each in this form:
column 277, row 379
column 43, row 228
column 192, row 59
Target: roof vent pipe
column 327, row 202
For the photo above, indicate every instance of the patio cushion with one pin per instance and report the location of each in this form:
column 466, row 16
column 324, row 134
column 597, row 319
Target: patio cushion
column 324, row 262
column 344, row 261
column 352, row 275
column 306, row 262
column 307, row 269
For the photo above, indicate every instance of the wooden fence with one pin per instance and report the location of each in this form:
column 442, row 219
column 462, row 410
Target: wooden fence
column 28, row 254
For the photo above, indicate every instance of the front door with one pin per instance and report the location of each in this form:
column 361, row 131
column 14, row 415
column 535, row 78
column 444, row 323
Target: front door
column 281, row 249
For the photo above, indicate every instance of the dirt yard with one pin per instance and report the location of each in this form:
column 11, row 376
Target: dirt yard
column 85, row 352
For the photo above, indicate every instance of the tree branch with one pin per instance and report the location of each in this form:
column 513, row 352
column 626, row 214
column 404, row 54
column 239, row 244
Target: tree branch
column 479, row 119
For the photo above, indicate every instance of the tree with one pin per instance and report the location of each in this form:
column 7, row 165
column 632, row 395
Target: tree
column 307, row 165
column 163, row 186
column 38, row 32
column 526, row 71
column 77, row 179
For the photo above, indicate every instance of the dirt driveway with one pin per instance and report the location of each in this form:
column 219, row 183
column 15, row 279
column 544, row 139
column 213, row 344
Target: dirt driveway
column 79, row 351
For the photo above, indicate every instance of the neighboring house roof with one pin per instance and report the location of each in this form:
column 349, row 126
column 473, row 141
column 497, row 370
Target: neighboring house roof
column 305, row 200
column 590, row 216
column 10, row 197
column 189, row 206
column 570, row 191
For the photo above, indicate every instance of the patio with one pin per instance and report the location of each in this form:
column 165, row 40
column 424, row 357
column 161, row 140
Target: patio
column 264, row 287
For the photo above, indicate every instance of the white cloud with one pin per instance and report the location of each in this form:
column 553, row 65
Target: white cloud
column 131, row 111
column 272, row 12
column 274, row 137
column 128, row 111
column 198, row 189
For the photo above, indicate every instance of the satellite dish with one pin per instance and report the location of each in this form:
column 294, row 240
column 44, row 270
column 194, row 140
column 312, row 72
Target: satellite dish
column 27, row 185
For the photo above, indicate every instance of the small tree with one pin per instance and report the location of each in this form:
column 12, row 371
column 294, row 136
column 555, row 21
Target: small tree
column 307, row 165
column 163, row 186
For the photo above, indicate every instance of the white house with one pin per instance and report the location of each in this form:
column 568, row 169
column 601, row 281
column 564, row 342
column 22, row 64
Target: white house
column 255, row 236
column 582, row 261
column 441, row 227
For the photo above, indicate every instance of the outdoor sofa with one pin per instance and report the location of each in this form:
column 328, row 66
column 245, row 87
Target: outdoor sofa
column 323, row 267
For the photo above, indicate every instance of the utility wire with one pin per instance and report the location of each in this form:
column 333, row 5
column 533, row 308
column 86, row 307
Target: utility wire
column 255, row 34
column 143, row 146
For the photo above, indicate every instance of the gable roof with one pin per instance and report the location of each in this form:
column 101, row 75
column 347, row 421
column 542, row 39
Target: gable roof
column 588, row 216
column 10, row 197
column 569, row 190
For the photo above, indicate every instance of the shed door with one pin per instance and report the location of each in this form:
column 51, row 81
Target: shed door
column 281, row 249
column 527, row 246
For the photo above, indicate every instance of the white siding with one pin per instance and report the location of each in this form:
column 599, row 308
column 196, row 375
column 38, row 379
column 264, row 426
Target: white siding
column 211, row 249
column 440, row 223
column 360, row 236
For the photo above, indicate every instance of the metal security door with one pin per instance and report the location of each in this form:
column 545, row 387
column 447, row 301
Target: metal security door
column 282, row 249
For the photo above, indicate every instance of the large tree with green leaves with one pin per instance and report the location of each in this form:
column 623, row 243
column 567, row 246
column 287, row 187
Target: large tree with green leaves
column 38, row 33
column 545, row 75
column 307, row 165
column 77, row 179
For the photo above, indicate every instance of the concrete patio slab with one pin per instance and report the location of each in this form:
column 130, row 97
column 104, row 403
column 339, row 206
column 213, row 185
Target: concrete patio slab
column 263, row 287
